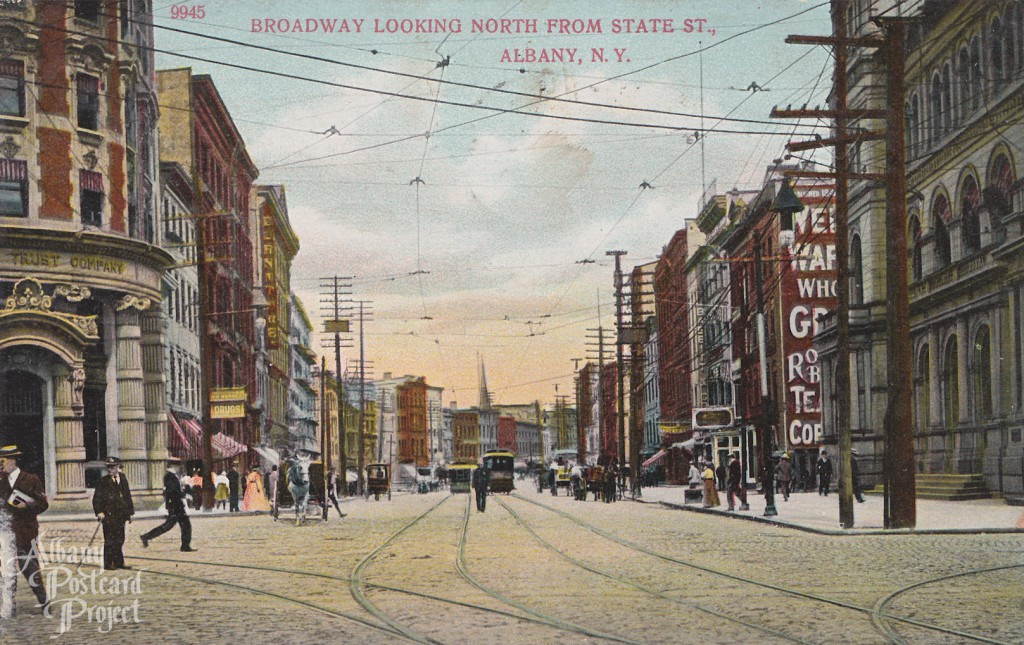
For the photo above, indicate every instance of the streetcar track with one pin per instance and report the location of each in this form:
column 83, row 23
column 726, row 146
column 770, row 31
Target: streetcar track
column 263, row 592
column 373, row 585
column 767, row 585
column 549, row 620
column 645, row 589
column 878, row 614
column 356, row 583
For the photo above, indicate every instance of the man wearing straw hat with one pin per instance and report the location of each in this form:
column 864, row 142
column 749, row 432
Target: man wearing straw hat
column 174, row 502
column 23, row 498
column 112, row 503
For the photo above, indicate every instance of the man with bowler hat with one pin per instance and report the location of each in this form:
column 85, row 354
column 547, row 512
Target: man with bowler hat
column 174, row 502
column 23, row 499
column 112, row 503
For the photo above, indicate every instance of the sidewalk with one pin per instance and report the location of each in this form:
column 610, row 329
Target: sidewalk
column 85, row 516
column 820, row 514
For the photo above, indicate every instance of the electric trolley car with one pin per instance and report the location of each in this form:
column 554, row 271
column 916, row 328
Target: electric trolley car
column 460, row 477
column 501, row 465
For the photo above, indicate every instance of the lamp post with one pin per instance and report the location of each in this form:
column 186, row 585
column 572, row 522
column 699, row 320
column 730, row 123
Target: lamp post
column 786, row 204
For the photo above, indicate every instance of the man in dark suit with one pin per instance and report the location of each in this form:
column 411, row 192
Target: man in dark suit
column 233, row 488
column 112, row 503
column 23, row 499
column 481, row 479
column 174, row 501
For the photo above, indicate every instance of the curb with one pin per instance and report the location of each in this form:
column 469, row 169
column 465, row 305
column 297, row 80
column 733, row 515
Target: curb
column 833, row 532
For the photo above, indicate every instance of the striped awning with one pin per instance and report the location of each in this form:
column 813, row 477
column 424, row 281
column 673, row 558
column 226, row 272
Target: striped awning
column 13, row 170
column 194, row 428
column 91, row 180
column 177, row 429
column 226, row 447
column 655, row 458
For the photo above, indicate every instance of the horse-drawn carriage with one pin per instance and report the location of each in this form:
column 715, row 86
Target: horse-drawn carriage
column 301, row 485
column 378, row 480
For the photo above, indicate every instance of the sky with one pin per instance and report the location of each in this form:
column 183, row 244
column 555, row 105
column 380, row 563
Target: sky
column 460, row 180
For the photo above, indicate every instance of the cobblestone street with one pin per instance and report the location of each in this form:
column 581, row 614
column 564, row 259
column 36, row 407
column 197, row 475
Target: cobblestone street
column 533, row 568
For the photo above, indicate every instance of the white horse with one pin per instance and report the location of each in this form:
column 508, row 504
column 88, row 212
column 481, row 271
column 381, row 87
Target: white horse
column 298, row 485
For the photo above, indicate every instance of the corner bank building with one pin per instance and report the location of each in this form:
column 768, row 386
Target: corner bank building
column 81, row 330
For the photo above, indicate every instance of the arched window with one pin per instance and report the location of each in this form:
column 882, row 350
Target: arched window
column 915, row 123
column 982, row 374
column 935, row 118
column 951, row 384
column 976, row 73
column 970, row 201
column 916, row 265
column 1009, row 43
column 963, row 74
column 922, row 385
column 947, row 99
column 998, row 198
column 941, row 216
column 856, row 272
column 996, row 55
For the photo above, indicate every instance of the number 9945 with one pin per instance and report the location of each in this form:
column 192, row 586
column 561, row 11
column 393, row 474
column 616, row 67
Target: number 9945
column 188, row 12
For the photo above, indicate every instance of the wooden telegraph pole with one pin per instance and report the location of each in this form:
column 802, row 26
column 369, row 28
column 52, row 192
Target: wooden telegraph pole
column 900, row 502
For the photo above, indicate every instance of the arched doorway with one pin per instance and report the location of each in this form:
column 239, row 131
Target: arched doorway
column 22, row 409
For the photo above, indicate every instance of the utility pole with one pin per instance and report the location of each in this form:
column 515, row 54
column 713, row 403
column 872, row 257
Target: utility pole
column 620, row 403
column 600, row 381
column 900, row 484
column 205, row 349
column 325, row 436
column 334, row 289
column 540, row 436
column 361, row 465
column 581, row 444
column 841, row 115
column 768, row 480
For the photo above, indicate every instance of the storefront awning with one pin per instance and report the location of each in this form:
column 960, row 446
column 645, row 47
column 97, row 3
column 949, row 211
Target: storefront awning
column 687, row 445
column 655, row 458
column 193, row 426
column 177, row 429
column 226, row 447
column 269, row 455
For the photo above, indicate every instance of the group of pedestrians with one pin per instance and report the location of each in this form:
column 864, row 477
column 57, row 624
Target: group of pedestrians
column 705, row 474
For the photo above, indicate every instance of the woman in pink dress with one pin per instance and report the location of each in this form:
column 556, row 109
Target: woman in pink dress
column 255, row 499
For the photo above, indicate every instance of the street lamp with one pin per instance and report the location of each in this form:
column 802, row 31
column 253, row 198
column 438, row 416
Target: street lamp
column 786, row 204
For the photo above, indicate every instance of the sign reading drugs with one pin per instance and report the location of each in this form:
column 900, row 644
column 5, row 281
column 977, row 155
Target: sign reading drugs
column 809, row 295
column 227, row 410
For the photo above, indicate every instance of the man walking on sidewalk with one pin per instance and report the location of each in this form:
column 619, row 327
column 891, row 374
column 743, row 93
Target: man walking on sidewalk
column 784, row 473
column 174, row 502
column 736, row 483
column 824, row 467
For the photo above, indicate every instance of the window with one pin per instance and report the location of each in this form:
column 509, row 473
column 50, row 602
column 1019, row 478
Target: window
column 916, row 264
column 975, row 74
column 923, row 385
column 856, row 272
column 951, row 385
column 91, row 197
column 935, row 118
column 88, row 92
column 983, row 374
column 13, row 188
column 12, row 88
column 947, row 100
column 940, row 224
column 970, row 201
column 963, row 73
column 88, row 10
column 996, row 58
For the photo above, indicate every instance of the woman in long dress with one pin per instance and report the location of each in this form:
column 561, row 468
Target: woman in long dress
column 255, row 499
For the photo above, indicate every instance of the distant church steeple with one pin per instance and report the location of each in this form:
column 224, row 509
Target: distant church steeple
column 485, row 394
